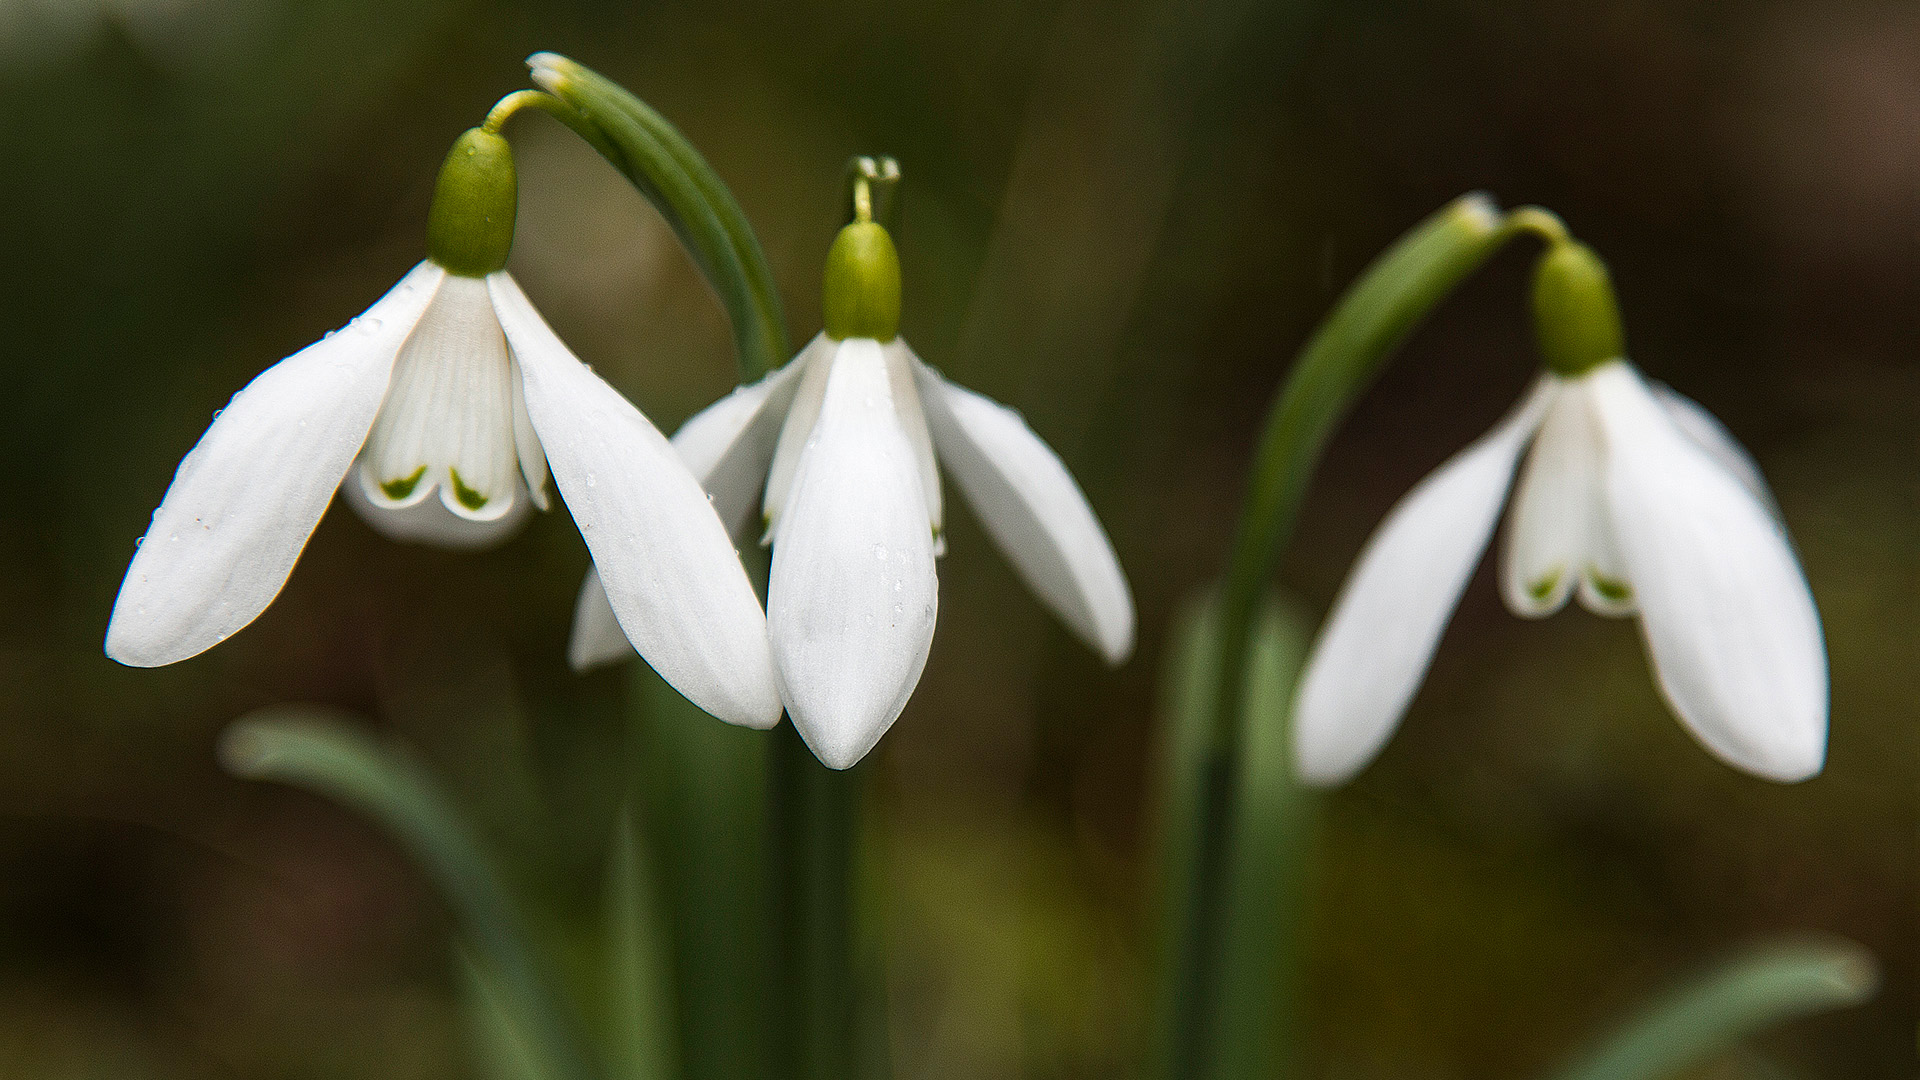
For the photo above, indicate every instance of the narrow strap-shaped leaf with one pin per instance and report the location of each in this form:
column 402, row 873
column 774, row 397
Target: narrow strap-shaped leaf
column 1764, row 986
column 1256, row 1031
column 318, row 751
column 639, row 967
column 1181, row 788
column 665, row 167
column 1261, row 852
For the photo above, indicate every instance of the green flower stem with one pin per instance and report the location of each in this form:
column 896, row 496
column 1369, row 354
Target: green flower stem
column 701, row 787
column 815, row 834
column 322, row 754
column 1765, row 986
column 689, row 194
column 1375, row 315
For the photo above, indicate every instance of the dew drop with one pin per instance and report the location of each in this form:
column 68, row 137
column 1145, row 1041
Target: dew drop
column 217, row 412
column 880, row 552
column 137, row 541
column 590, row 480
column 899, row 610
column 326, row 335
column 372, row 323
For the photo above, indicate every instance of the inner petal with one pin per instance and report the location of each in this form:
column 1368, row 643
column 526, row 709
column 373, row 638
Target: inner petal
column 913, row 420
column 1557, row 537
column 817, row 363
column 448, row 422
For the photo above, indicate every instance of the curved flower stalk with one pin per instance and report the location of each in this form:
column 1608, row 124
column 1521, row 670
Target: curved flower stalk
column 840, row 451
column 441, row 411
column 1633, row 498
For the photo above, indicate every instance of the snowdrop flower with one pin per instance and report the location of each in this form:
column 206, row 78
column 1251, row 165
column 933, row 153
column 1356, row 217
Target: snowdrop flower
column 1634, row 499
column 439, row 412
column 838, row 451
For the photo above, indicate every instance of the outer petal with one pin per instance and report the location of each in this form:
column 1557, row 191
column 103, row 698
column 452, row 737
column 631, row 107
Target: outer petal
column 1034, row 511
column 672, row 576
column 904, row 380
column 728, row 446
column 245, row 500
column 853, row 594
column 1379, row 641
column 1696, row 423
column 597, row 638
column 1728, row 618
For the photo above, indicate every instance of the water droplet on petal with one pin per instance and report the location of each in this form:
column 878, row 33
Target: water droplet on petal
column 589, row 479
column 137, row 541
column 217, row 412
column 880, row 552
column 372, row 323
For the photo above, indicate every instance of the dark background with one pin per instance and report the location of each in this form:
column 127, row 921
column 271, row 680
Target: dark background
column 1121, row 218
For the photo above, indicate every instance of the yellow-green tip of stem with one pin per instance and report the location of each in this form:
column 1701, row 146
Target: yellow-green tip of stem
column 1575, row 316
column 861, row 295
column 470, row 225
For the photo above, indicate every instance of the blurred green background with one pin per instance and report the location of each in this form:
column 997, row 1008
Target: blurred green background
column 1121, row 217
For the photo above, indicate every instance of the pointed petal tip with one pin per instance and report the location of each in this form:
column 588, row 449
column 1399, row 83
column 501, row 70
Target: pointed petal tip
column 839, row 746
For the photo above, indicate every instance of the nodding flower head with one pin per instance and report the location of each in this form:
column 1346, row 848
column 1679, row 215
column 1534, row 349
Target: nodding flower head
column 840, row 452
column 441, row 412
column 1633, row 499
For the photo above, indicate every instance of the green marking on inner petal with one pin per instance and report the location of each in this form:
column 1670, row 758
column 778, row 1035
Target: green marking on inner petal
column 1614, row 590
column 403, row 487
column 469, row 498
column 1543, row 587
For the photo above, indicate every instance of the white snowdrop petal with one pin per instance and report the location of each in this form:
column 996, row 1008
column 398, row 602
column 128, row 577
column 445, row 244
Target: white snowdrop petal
column 902, row 380
column 1036, row 514
column 728, row 446
column 526, row 445
column 1378, row 641
column 1729, row 621
column 1553, row 507
column 853, row 594
column 670, row 573
column 597, row 638
column 815, row 365
column 1705, row 429
column 247, row 497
